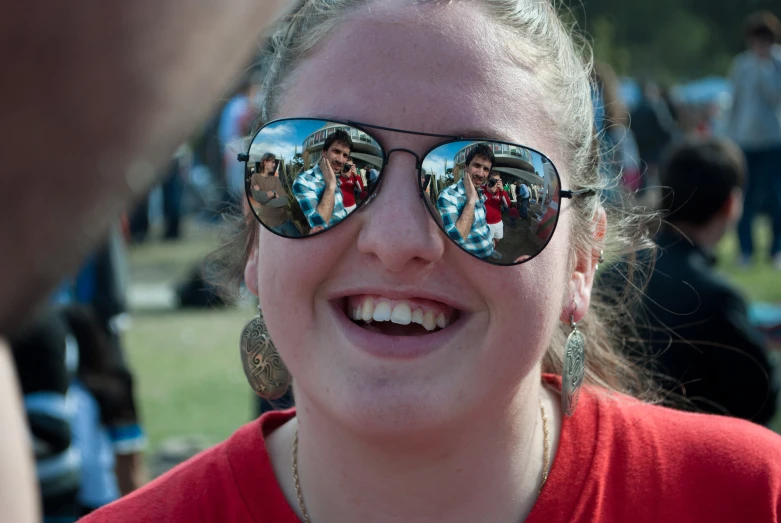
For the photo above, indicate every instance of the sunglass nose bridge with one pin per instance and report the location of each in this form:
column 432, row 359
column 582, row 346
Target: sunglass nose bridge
column 418, row 163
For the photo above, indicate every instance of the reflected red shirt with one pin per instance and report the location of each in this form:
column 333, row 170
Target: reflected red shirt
column 618, row 460
column 348, row 187
column 493, row 205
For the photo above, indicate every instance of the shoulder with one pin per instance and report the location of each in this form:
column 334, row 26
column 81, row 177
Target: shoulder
column 308, row 178
column 451, row 192
column 680, row 274
column 169, row 497
column 685, row 456
column 741, row 60
column 776, row 51
column 233, row 481
column 619, row 459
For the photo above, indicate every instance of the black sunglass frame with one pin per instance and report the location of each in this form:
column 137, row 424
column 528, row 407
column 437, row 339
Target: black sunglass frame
column 419, row 160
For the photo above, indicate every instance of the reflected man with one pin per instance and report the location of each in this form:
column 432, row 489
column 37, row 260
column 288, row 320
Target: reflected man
column 317, row 190
column 462, row 207
column 269, row 198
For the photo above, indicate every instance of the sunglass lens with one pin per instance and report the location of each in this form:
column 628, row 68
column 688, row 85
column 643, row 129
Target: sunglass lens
column 497, row 201
column 320, row 174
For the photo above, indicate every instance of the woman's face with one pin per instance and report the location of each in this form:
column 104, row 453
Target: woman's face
column 426, row 70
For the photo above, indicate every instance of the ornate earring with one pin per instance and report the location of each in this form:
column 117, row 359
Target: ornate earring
column 266, row 372
column 574, row 369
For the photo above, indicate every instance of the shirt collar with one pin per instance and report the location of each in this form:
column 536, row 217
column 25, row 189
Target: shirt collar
column 670, row 237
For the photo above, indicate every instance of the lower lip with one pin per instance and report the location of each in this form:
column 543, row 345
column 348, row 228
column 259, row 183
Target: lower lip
column 395, row 347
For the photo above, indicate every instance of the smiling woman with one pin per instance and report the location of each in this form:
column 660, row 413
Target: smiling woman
column 438, row 353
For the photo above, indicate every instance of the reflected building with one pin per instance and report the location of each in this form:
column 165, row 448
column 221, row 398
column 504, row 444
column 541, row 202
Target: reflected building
column 365, row 149
column 511, row 161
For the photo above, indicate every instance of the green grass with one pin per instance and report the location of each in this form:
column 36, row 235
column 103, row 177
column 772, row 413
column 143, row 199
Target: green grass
column 760, row 282
column 189, row 379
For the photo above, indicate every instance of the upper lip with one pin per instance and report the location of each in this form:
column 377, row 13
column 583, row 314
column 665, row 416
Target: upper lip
column 400, row 294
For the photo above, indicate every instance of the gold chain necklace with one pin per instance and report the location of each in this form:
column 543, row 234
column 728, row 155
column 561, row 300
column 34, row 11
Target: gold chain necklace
column 545, row 463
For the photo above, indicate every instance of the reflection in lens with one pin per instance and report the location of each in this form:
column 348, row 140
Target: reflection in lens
column 305, row 176
column 497, row 201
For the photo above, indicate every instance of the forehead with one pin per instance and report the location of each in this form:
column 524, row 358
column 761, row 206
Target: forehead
column 444, row 70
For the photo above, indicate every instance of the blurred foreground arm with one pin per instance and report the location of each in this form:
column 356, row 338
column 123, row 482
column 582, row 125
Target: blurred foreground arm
column 18, row 485
column 108, row 90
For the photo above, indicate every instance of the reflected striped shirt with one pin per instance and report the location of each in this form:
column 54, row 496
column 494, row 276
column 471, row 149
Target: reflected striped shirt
column 451, row 204
column 308, row 190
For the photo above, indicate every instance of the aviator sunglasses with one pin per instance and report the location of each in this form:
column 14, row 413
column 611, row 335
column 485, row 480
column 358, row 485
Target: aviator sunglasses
column 323, row 171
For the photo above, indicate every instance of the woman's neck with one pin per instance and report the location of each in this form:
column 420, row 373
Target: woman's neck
column 489, row 469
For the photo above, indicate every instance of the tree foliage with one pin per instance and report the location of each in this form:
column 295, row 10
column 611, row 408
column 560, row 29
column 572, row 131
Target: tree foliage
column 669, row 40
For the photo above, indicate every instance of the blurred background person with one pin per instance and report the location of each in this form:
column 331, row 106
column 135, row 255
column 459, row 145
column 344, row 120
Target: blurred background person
column 695, row 322
column 619, row 148
column 172, row 192
column 104, row 423
column 522, row 201
column 755, row 124
column 235, row 123
column 654, row 129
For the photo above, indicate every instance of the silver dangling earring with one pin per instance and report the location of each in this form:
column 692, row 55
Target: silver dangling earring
column 574, row 369
column 600, row 260
column 266, row 372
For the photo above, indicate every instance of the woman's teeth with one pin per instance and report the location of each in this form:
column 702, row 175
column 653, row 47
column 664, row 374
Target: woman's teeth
column 400, row 312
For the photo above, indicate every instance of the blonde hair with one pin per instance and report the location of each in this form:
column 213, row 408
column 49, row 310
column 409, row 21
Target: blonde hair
column 562, row 65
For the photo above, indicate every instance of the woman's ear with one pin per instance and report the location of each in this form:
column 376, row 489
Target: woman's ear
column 582, row 280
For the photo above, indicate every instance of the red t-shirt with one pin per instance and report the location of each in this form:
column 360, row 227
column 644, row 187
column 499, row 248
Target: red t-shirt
column 493, row 205
column 348, row 185
column 618, row 460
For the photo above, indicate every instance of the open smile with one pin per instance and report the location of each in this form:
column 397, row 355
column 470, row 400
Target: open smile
column 399, row 317
column 397, row 327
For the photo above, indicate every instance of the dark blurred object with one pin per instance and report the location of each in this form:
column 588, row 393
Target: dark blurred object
column 196, row 292
column 174, row 451
column 139, row 221
column 45, row 367
column 285, row 402
column 173, row 191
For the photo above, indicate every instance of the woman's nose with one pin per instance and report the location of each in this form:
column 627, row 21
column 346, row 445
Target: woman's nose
column 398, row 230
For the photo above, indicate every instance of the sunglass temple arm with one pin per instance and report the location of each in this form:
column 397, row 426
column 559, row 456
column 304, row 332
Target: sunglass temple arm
column 579, row 192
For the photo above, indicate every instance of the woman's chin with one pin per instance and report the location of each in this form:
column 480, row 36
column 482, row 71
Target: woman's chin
column 387, row 409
